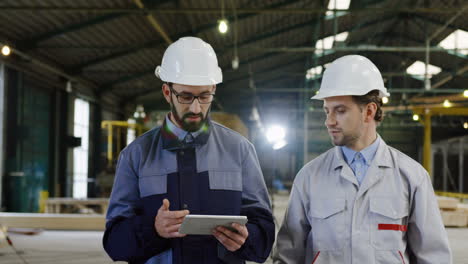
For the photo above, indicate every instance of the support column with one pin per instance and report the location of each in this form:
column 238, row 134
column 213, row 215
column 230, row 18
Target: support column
column 2, row 127
column 427, row 152
column 461, row 148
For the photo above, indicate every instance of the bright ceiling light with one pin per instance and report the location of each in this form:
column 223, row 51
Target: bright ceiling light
column 457, row 40
column 280, row 144
column 465, row 125
column 465, row 93
column 415, row 117
column 447, row 103
column 223, row 26
column 313, row 72
column 337, row 4
column 275, row 134
column 327, row 43
column 418, row 70
column 6, row 50
column 385, row 100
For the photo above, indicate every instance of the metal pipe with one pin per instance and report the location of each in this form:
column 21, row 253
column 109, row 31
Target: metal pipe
column 461, row 148
column 459, row 13
column 52, row 69
column 393, row 90
column 352, row 48
column 157, row 10
column 154, row 23
column 445, row 169
column 427, row 80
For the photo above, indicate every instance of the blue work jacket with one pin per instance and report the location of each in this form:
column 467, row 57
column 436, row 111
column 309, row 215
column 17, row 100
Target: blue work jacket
column 218, row 173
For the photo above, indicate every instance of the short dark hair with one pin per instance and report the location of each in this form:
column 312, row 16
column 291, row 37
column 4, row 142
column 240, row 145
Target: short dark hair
column 371, row 97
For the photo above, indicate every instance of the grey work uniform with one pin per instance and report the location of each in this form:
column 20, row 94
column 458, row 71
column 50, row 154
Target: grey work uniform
column 392, row 217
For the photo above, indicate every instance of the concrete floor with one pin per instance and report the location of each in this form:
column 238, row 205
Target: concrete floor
column 84, row 247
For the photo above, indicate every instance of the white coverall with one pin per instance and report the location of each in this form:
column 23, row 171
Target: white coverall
column 393, row 217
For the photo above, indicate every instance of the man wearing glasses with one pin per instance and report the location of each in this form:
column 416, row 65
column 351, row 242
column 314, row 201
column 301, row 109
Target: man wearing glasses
column 189, row 165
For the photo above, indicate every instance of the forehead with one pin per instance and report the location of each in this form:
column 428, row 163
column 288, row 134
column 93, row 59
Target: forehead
column 193, row 89
column 331, row 102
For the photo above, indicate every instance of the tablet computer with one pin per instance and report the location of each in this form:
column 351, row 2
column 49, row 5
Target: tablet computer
column 204, row 224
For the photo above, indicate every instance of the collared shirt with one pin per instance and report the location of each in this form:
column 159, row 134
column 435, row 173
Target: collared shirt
column 391, row 218
column 179, row 132
column 360, row 161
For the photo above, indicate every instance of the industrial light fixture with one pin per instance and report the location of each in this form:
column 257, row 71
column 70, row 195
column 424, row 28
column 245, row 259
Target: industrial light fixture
column 415, row 117
column 275, row 133
column 465, row 94
column 447, row 103
column 6, row 50
column 281, row 143
column 222, row 26
column 385, row 100
column 222, row 23
column 235, row 63
column 465, row 125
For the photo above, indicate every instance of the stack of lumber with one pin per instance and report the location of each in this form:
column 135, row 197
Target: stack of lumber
column 454, row 213
column 53, row 221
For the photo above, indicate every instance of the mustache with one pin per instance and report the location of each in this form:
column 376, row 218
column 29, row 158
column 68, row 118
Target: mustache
column 193, row 115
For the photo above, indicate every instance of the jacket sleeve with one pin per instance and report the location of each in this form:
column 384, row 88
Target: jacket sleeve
column 292, row 236
column 129, row 234
column 427, row 237
column 256, row 206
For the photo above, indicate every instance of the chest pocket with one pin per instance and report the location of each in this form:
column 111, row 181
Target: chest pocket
column 152, row 184
column 225, row 180
column 328, row 223
column 388, row 220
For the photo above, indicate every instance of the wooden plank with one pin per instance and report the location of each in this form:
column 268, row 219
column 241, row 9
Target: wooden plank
column 462, row 208
column 53, row 221
column 447, row 203
column 455, row 219
column 54, row 205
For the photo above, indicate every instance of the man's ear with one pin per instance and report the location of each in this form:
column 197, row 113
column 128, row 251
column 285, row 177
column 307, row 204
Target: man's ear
column 166, row 92
column 214, row 88
column 370, row 111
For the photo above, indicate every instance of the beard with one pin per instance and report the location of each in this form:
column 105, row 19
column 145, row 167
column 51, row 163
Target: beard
column 345, row 139
column 184, row 121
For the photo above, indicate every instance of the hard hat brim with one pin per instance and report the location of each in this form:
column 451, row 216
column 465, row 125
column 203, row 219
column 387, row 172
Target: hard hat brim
column 323, row 96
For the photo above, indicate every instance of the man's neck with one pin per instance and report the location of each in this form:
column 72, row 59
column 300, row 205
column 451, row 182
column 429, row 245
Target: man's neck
column 365, row 141
column 174, row 121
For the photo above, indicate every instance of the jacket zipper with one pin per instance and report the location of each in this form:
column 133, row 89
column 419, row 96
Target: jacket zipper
column 402, row 258
column 315, row 258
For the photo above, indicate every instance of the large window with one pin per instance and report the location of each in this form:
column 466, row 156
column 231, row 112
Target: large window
column 80, row 154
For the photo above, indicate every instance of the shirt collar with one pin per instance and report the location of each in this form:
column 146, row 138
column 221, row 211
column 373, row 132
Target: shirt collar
column 368, row 153
column 179, row 132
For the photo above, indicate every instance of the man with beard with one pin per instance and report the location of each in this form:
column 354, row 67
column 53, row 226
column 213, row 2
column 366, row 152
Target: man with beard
column 362, row 201
column 189, row 165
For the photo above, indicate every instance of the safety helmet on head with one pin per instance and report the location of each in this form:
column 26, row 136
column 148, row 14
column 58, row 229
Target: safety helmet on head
column 351, row 75
column 190, row 61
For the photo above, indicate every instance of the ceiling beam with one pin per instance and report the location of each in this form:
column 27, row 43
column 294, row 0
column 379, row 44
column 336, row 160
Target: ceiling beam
column 255, row 11
column 108, row 86
column 154, row 22
column 419, row 90
column 156, row 43
column 352, row 48
column 30, row 43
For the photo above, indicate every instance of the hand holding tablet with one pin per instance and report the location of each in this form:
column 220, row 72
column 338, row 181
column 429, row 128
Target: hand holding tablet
column 205, row 224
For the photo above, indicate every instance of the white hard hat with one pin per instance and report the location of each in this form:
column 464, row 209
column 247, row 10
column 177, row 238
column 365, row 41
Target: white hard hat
column 351, row 75
column 190, row 61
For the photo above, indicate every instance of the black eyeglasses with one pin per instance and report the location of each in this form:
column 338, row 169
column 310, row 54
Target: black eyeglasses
column 205, row 98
